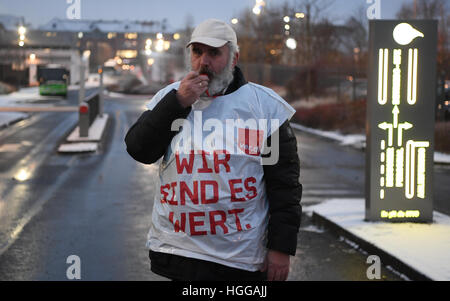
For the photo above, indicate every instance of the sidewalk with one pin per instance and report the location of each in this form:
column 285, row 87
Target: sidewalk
column 421, row 251
column 12, row 100
column 9, row 118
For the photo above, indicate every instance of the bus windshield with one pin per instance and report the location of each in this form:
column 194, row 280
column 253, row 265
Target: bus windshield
column 53, row 81
column 52, row 74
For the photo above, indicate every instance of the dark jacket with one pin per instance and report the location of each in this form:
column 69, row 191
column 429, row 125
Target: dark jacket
column 149, row 137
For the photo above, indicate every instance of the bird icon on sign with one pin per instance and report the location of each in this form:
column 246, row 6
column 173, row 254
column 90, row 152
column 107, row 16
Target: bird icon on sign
column 404, row 33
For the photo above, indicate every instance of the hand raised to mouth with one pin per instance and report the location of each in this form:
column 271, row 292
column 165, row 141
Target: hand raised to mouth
column 191, row 87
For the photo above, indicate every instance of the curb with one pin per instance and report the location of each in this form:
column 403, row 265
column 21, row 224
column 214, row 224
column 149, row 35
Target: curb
column 76, row 144
column 14, row 121
column 386, row 258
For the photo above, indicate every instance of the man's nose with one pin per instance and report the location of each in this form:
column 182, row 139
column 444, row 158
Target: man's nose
column 204, row 59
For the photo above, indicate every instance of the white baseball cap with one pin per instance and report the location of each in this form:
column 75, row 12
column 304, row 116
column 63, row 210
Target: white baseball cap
column 214, row 33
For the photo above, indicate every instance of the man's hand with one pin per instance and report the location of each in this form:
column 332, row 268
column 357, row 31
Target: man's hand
column 277, row 266
column 191, row 87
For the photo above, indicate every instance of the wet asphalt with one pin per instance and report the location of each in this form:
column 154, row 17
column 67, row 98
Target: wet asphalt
column 98, row 206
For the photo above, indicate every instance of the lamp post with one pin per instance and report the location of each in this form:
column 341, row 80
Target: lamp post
column 289, row 25
column 22, row 30
column 259, row 4
column 356, row 52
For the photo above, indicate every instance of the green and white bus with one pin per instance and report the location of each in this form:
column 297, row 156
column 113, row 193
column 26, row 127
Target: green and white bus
column 53, row 80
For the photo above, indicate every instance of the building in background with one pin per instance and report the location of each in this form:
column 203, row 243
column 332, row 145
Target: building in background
column 140, row 46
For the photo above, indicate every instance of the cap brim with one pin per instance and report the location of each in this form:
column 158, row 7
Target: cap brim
column 207, row 41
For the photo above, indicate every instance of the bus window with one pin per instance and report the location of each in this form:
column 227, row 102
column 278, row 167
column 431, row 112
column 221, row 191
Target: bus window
column 53, row 81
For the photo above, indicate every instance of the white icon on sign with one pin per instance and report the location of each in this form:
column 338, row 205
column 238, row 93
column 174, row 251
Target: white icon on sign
column 400, row 166
column 404, row 33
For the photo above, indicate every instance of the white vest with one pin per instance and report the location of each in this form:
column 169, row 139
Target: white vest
column 211, row 201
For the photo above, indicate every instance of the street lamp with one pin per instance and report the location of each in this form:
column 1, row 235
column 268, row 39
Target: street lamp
column 287, row 19
column 257, row 9
column 160, row 44
column 291, row 43
column 21, row 31
column 148, row 45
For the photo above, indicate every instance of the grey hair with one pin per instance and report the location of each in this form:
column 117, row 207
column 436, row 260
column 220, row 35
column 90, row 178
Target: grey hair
column 234, row 48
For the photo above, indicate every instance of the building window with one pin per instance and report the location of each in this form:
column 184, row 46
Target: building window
column 131, row 35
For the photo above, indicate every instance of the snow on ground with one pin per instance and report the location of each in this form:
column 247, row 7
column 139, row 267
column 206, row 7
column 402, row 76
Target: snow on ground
column 358, row 141
column 7, row 118
column 93, row 81
column 95, row 131
column 424, row 247
column 28, row 94
column 79, row 147
column 441, row 157
column 24, row 96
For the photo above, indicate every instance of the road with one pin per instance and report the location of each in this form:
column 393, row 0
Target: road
column 98, row 206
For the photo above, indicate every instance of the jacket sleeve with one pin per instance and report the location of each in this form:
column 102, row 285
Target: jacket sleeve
column 284, row 193
column 148, row 139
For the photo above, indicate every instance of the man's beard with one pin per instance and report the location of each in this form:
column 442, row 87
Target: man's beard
column 218, row 82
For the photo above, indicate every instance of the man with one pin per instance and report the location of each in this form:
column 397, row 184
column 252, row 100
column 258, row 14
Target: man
column 220, row 213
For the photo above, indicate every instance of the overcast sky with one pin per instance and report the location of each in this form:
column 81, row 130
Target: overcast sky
column 38, row 12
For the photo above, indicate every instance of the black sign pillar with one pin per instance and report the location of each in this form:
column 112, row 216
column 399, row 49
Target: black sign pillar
column 400, row 120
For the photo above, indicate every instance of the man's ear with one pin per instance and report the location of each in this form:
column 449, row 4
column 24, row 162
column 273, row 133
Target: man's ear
column 235, row 59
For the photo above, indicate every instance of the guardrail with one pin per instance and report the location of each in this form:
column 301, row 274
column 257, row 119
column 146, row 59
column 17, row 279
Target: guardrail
column 89, row 109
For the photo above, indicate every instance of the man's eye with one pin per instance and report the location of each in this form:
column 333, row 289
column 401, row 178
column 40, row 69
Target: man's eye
column 213, row 52
column 197, row 51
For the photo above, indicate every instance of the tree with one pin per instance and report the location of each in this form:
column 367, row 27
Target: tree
column 433, row 9
column 421, row 9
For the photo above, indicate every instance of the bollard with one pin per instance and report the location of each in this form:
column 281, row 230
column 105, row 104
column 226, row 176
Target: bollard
column 101, row 90
column 83, row 122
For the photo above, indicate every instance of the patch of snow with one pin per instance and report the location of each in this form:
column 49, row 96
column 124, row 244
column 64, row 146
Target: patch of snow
column 7, row 118
column 312, row 228
column 441, row 158
column 424, row 247
column 78, row 147
column 357, row 140
column 95, row 131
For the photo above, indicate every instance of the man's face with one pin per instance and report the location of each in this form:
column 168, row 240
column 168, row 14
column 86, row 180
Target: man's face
column 209, row 60
column 216, row 63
